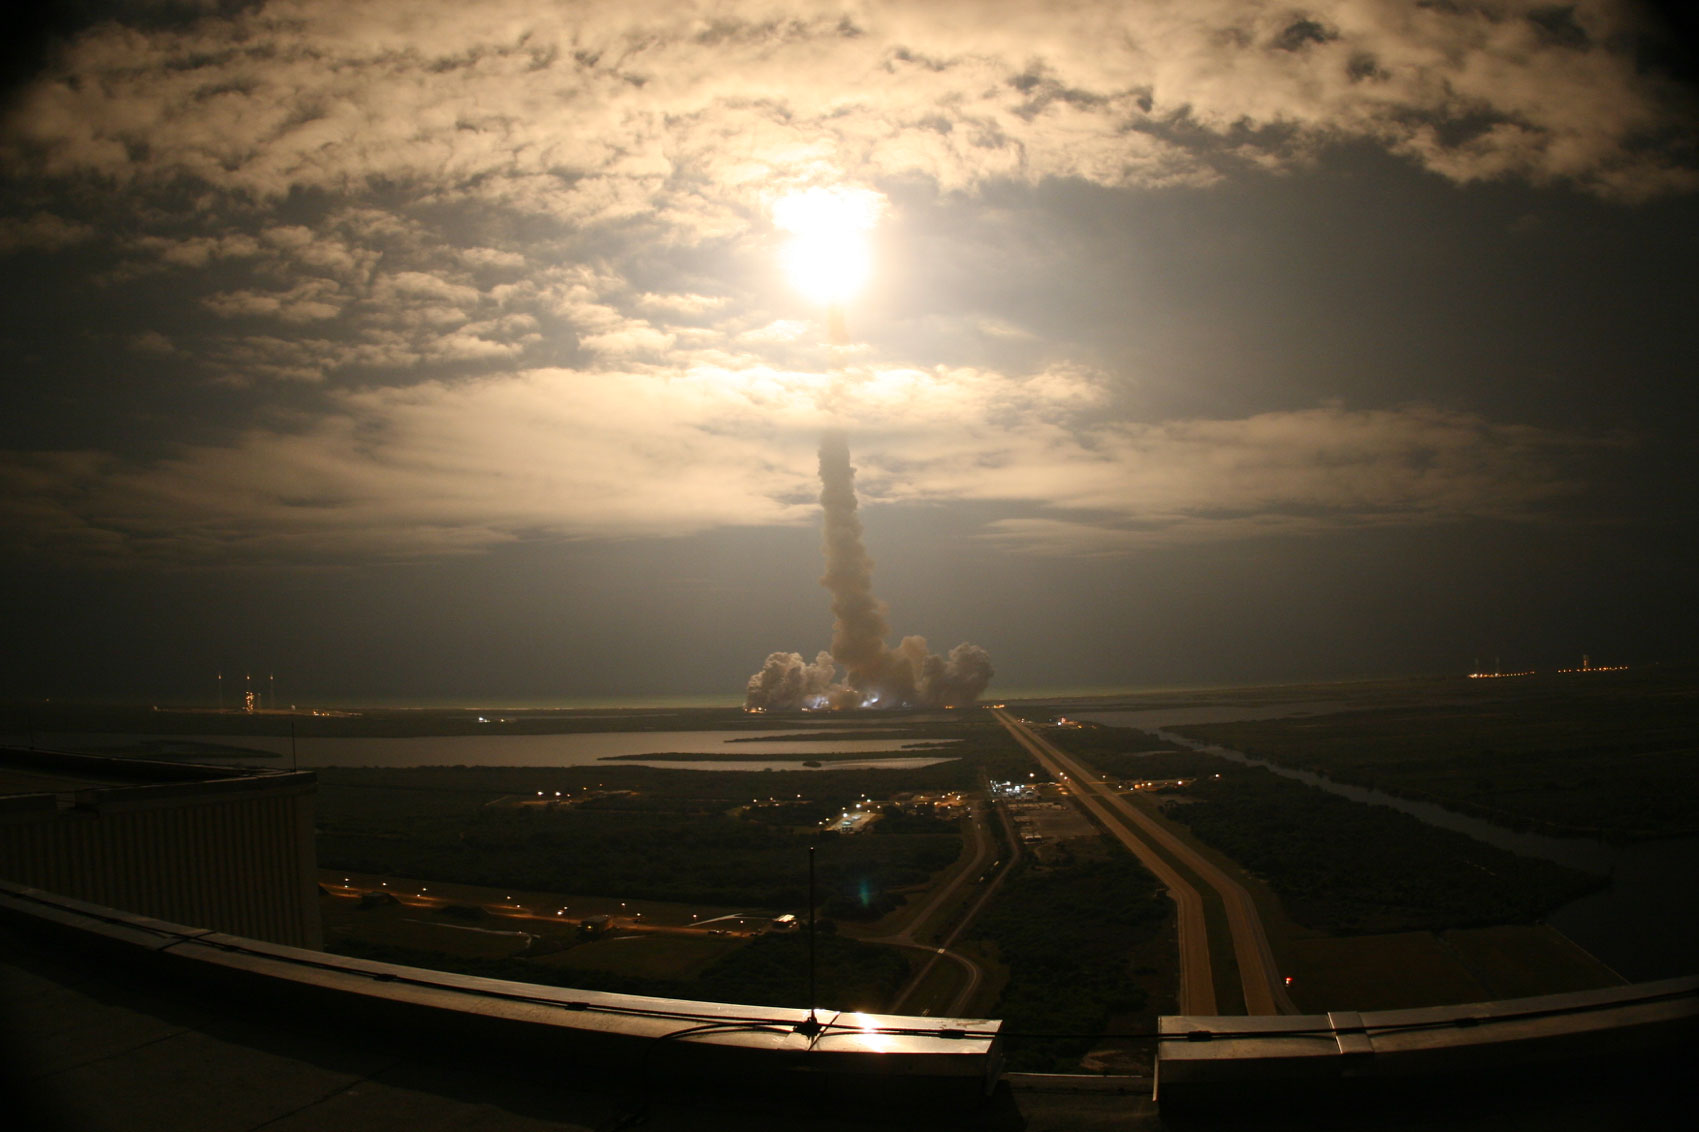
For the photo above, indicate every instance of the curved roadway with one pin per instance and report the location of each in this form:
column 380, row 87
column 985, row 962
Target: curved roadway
column 965, row 995
column 984, row 847
column 1264, row 990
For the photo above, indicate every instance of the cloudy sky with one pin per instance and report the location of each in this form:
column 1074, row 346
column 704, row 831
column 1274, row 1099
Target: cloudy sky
column 445, row 350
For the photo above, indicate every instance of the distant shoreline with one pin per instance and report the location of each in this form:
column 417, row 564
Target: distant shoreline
column 802, row 757
column 301, row 705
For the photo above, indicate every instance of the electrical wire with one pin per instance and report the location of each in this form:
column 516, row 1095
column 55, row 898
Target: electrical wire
column 637, row 1110
column 705, row 1022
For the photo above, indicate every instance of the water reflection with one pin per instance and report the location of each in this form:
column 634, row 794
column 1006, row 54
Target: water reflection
column 572, row 749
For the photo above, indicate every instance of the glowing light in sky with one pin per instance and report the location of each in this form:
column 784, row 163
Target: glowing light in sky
column 828, row 258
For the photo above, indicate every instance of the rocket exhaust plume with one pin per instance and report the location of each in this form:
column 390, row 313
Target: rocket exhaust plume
column 875, row 675
column 859, row 628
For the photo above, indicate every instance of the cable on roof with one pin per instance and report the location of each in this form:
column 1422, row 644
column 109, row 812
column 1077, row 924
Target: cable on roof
column 710, row 1022
column 637, row 1112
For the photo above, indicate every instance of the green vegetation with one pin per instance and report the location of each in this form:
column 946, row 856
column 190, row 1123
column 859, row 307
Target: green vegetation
column 734, row 839
column 1073, row 938
column 1396, row 971
column 804, row 813
column 896, row 822
column 1096, row 739
column 770, row 971
column 1612, row 753
column 655, row 955
column 1337, row 865
column 683, row 849
column 1345, row 866
column 720, row 837
column 1161, row 765
column 1464, row 965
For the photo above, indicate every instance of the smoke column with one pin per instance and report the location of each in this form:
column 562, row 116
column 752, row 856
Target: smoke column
column 875, row 675
column 859, row 628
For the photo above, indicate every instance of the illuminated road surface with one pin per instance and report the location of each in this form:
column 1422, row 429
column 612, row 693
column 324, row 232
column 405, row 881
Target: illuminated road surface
column 1197, row 980
column 1264, row 990
column 984, row 849
column 965, row 997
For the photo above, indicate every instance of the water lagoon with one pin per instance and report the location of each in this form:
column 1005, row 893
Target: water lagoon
column 1155, row 719
column 580, row 748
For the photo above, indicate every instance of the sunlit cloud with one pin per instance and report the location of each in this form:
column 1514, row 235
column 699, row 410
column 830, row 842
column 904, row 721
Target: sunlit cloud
column 619, row 454
column 151, row 342
column 507, row 247
column 681, row 115
column 1289, row 473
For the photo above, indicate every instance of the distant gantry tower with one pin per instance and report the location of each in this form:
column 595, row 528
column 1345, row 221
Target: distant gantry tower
column 251, row 700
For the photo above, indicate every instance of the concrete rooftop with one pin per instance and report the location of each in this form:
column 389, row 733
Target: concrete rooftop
column 92, row 1048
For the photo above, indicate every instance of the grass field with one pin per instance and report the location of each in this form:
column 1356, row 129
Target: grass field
column 405, row 927
column 647, row 956
column 1350, row 867
column 472, row 922
column 1378, row 972
column 1409, row 969
column 633, row 832
column 509, row 934
column 936, row 990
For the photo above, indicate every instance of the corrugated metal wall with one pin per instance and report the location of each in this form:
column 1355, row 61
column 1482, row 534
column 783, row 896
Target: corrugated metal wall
column 238, row 862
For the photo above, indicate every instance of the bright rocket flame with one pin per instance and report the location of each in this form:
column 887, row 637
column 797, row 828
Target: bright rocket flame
column 828, row 258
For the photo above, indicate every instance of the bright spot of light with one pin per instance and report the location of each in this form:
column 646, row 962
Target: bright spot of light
column 828, row 258
column 868, row 1031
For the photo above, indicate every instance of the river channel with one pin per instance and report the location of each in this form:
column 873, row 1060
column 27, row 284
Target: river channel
column 1644, row 923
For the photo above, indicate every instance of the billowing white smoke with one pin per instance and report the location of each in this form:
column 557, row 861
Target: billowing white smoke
column 875, row 675
column 787, row 682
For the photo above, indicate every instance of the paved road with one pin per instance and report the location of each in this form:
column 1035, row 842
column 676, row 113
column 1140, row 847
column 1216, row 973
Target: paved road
column 1197, row 979
column 1264, row 989
column 984, row 850
column 964, row 998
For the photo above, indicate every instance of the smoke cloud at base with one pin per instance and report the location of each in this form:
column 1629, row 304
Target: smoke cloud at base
column 874, row 674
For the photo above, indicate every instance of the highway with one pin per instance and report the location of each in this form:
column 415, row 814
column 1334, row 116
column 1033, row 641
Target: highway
column 984, row 849
column 1197, row 980
column 1264, row 989
column 965, row 996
